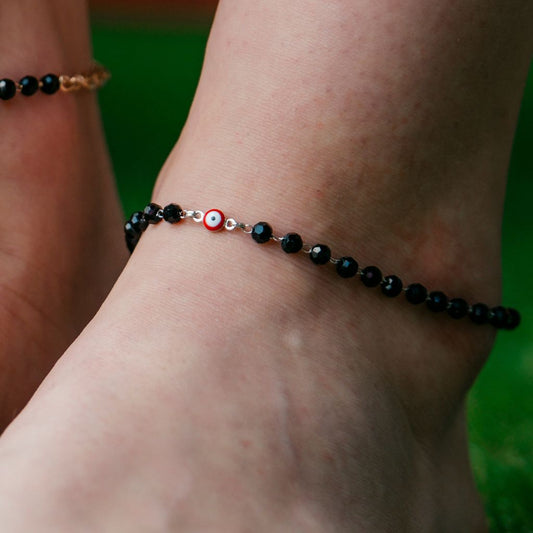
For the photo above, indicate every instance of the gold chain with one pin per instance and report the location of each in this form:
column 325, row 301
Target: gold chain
column 91, row 80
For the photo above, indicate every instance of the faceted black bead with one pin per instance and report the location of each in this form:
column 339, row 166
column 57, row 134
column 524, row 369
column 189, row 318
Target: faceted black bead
column 347, row 267
column 479, row 314
column 371, row 276
column 138, row 221
column 7, row 89
column 172, row 213
column 513, row 318
column 130, row 230
column 131, row 241
column 29, row 85
column 437, row 301
column 291, row 243
column 416, row 293
column 261, row 232
column 320, row 254
column 151, row 213
column 391, row 286
column 457, row 308
column 498, row 317
column 50, row 84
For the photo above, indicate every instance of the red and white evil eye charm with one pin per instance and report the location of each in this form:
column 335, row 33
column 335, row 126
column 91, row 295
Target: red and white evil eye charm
column 214, row 220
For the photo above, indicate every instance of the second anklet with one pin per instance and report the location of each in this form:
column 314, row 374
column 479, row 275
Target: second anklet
column 91, row 80
column 320, row 254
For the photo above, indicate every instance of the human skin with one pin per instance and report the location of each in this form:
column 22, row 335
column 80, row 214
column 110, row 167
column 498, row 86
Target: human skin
column 59, row 237
column 226, row 386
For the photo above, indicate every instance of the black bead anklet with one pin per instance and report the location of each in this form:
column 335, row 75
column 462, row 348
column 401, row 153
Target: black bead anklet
column 91, row 80
column 320, row 254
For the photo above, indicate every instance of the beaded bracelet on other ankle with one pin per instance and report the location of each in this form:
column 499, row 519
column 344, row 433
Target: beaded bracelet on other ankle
column 320, row 254
column 93, row 79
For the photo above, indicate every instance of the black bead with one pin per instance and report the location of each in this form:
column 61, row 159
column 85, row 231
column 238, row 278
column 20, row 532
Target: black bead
column 8, row 89
column 130, row 230
column 457, row 308
column 437, row 301
column 291, row 243
column 391, row 286
column 151, row 213
column 371, row 276
column 172, row 213
column 261, row 232
column 347, row 267
column 138, row 222
column 29, row 85
column 479, row 314
column 513, row 318
column 498, row 317
column 131, row 241
column 320, row 254
column 50, row 84
column 416, row 293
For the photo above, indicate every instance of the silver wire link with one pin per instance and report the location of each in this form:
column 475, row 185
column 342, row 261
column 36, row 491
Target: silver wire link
column 306, row 248
column 230, row 224
column 198, row 216
column 247, row 228
column 275, row 238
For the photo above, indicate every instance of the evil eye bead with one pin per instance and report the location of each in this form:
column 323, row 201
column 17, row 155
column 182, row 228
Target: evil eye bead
column 214, row 220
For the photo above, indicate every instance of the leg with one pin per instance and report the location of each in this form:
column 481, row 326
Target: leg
column 58, row 248
column 237, row 386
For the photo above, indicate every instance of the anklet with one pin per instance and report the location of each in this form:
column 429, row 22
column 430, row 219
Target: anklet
column 93, row 79
column 320, row 254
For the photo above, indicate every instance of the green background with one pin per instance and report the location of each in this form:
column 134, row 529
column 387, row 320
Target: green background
column 155, row 71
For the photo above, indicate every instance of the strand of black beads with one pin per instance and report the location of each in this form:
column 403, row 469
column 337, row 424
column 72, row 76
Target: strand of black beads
column 134, row 228
column 136, row 225
column 346, row 267
column 29, row 85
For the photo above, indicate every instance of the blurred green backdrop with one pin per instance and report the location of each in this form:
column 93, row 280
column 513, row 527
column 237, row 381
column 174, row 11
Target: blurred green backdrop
column 163, row 61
